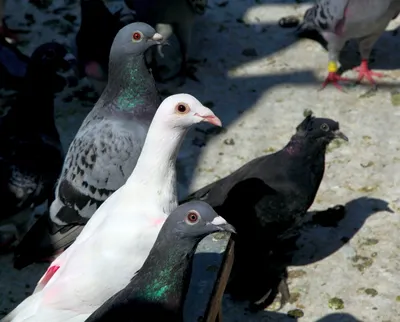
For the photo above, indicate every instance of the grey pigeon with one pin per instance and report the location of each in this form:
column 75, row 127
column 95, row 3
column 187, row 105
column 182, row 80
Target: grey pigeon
column 94, row 40
column 157, row 292
column 118, row 238
column 31, row 155
column 176, row 14
column 267, row 199
column 341, row 20
column 104, row 151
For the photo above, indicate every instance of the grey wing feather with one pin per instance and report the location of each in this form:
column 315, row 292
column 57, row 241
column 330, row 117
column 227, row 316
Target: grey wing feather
column 326, row 14
column 99, row 161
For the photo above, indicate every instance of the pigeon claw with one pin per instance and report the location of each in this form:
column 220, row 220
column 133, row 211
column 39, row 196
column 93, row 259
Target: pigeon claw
column 364, row 71
column 333, row 78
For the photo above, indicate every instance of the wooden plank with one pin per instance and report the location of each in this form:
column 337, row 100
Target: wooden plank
column 214, row 309
column 210, row 273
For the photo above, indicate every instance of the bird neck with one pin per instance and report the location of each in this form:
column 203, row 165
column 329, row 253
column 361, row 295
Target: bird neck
column 165, row 275
column 157, row 161
column 130, row 86
column 305, row 149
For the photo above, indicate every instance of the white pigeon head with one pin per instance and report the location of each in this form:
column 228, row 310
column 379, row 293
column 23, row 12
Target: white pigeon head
column 184, row 110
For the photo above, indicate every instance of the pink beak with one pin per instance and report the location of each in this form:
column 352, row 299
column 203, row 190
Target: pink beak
column 212, row 119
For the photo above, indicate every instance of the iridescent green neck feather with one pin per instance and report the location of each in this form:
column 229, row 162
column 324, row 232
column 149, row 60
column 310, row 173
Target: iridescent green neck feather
column 130, row 84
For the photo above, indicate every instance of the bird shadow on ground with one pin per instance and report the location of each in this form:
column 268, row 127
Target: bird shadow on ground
column 330, row 229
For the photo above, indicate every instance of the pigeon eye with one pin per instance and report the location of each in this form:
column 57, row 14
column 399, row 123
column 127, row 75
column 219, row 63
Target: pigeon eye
column 137, row 36
column 192, row 217
column 182, row 108
column 325, row 127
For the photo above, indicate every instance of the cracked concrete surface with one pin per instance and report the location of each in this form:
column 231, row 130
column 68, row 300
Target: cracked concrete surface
column 259, row 79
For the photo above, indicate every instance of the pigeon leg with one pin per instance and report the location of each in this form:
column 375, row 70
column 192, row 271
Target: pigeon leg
column 365, row 46
column 333, row 77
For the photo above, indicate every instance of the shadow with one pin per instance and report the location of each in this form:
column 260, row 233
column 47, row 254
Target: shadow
column 339, row 317
column 320, row 239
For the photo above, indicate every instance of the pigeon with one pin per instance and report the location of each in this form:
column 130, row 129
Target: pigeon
column 13, row 65
column 116, row 241
column 94, row 40
column 31, row 155
column 104, row 151
column 157, row 292
column 341, row 20
column 274, row 192
column 177, row 15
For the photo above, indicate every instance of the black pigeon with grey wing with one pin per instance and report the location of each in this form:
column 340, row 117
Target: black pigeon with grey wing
column 267, row 199
column 31, row 155
column 157, row 292
column 105, row 150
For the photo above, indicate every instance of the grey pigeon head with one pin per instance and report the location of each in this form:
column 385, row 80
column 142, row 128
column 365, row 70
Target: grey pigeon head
column 195, row 220
column 134, row 39
column 321, row 129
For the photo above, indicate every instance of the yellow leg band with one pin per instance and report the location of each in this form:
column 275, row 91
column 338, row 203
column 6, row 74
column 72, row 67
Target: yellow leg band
column 332, row 67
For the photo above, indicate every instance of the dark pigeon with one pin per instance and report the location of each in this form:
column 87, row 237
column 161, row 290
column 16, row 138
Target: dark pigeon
column 105, row 150
column 94, row 40
column 157, row 292
column 31, row 155
column 267, row 199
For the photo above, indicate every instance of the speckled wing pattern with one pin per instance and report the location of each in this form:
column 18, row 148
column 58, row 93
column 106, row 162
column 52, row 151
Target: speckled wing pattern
column 326, row 14
column 25, row 179
column 199, row 6
column 99, row 160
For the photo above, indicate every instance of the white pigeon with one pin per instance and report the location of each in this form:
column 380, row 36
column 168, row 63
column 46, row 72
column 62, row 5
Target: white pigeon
column 117, row 239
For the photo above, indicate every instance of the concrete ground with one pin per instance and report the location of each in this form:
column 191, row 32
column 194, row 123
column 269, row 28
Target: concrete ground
column 259, row 79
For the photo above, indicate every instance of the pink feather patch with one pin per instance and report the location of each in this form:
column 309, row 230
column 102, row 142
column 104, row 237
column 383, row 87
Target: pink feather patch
column 94, row 70
column 48, row 275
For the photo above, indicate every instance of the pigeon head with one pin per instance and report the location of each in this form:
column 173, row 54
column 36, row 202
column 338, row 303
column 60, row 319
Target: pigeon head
column 52, row 56
column 196, row 219
column 136, row 38
column 184, row 110
column 321, row 129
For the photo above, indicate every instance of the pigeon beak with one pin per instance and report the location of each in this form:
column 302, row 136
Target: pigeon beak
column 388, row 209
column 210, row 118
column 222, row 225
column 157, row 38
column 340, row 135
